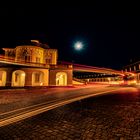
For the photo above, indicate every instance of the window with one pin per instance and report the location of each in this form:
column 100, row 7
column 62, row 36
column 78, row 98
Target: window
column 134, row 68
column 27, row 58
column 1, row 76
column 37, row 77
column 16, row 77
column 48, row 61
column 37, row 60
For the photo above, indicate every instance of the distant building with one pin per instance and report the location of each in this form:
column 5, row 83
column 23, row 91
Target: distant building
column 33, row 65
column 134, row 67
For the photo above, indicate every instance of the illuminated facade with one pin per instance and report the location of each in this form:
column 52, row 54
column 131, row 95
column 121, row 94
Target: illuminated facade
column 134, row 68
column 33, row 65
column 32, row 53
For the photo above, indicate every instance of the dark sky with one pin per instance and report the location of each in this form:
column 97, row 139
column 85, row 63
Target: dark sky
column 110, row 32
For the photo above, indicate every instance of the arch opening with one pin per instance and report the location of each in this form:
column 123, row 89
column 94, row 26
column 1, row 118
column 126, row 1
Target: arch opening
column 38, row 78
column 61, row 79
column 18, row 78
column 2, row 78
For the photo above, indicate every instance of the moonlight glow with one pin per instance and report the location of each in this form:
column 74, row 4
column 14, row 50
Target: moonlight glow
column 78, row 45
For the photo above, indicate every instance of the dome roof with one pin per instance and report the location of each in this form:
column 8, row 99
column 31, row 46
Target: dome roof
column 35, row 43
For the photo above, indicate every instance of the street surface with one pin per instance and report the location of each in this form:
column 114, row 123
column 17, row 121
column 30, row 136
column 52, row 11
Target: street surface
column 22, row 104
column 114, row 116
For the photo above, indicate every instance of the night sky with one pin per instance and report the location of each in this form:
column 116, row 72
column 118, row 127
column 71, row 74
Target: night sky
column 110, row 33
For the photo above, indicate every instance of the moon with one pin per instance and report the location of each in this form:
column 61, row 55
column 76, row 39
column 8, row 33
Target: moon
column 78, row 45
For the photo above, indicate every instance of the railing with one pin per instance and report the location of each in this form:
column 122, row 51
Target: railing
column 11, row 60
column 83, row 67
column 66, row 66
column 92, row 68
column 62, row 65
column 79, row 80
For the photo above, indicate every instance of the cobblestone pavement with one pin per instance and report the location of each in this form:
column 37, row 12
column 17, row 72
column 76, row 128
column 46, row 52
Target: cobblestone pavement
column 110, row 117
column 21, row 98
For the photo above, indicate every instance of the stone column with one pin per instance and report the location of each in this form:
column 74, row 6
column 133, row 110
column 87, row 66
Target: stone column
column 9, row 77
column 28, row 78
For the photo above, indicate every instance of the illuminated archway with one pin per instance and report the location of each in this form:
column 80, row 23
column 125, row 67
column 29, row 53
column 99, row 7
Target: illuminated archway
column 61, row 79
column 37, row 78
column 18, row 78
column 2, row 78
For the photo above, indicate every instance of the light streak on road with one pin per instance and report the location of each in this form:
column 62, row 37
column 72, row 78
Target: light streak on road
column 76, row 67
column 40, row 108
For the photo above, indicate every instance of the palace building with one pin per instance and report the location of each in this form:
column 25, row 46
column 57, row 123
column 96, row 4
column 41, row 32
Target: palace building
column 34, row 64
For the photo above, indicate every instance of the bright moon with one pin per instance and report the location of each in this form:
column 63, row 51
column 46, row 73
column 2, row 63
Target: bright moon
column 78, row 45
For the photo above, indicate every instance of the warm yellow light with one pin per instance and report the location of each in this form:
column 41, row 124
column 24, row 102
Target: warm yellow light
column 23, row 74
column 36, row 41
column 61, row 76
column 108, row 79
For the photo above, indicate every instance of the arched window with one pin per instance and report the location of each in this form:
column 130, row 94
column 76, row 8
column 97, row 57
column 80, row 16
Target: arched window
column 2, row 78
column 18, row 78
column 61, row 79
column 37, row 78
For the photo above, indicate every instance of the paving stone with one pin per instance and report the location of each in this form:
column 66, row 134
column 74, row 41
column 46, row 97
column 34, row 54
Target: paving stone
column 110, row 117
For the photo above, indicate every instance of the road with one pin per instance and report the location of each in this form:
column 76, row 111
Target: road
column 113, row 116
column 32, row 105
